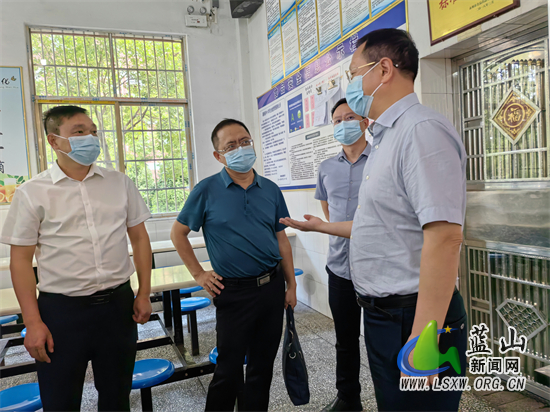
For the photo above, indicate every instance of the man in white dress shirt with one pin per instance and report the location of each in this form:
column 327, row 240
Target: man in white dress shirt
column 75, row 217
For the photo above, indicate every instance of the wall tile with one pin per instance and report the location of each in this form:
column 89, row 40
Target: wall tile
column 152, row 230
column 5, row 279
column 164, row 226
column 433, row 76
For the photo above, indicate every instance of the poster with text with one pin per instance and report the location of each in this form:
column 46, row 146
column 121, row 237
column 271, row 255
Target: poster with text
column 354, row 13
column 329, row 23
column 307, row 27
column 286, row 6
column 276, row 62
column 379, row 6
column 291, row 45
column 14, row 163
column 295, row 127
column 273, row 13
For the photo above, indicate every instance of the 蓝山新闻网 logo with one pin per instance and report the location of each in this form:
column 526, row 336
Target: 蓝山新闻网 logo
column 427, row 359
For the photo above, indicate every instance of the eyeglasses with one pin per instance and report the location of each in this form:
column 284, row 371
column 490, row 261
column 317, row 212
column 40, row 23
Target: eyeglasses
column 349, row 73
column 234, row 146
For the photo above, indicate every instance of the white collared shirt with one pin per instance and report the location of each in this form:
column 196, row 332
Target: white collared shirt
column 79, row 228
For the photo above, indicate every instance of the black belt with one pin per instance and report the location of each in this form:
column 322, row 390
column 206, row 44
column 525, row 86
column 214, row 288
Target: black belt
column 389, row 302
column 263, row 279
column 98, row 298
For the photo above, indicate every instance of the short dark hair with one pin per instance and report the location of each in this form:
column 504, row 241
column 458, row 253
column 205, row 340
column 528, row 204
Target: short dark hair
column 53, row 118
column 394, row 44
column 338, row 104
column 221, row 125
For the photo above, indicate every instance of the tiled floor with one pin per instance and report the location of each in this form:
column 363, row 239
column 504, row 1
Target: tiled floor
column 316, row 333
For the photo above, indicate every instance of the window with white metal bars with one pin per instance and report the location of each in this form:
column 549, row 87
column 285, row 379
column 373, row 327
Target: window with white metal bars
column 133, row 87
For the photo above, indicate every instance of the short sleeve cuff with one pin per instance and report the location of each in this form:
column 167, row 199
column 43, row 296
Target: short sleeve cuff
column 139, row 220
column 441, row 214
column 193, row 227
column 14, row 241
column 279, row 227
column 320, row 196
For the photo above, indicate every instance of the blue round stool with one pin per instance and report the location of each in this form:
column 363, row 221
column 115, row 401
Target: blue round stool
column 24, row 333
column 21, row 398
column 8, row 319
column 189, row 307
column 188, row 291
column 213, row 356
column 192, row 304
column 298, row 272
column 4, row 320
column 148, row 373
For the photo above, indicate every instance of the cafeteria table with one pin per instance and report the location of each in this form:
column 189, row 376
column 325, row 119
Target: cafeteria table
column 167, row 280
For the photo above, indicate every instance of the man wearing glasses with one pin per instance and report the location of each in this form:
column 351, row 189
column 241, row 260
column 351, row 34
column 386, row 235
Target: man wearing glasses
column 239, row 211
column 407, row 230
column 338, row 184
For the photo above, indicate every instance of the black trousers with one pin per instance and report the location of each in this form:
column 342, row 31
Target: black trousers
column 384, row 338
column 249, row 322
column 347, row 324
column 88, row 329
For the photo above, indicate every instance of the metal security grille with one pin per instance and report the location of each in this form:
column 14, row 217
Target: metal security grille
column 103, row 115
column 504, row 119
column 508, row 289
column 133, row 87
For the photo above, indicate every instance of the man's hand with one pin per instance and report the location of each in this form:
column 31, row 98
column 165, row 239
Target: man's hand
column 38, row 335
column 290, row 297
column 430, row 378
column 210, row 281
column 311, row 224
column 142, row 309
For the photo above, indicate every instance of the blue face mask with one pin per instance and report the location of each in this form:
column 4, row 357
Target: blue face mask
column 348, row 132
column 357, row 101
column 84, row 149
column 242, row 159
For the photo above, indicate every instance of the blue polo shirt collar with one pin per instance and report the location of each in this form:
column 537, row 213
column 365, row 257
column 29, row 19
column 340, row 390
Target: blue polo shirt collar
column 227, row 179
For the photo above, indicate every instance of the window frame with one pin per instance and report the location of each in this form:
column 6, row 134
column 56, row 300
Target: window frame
column 117, row 101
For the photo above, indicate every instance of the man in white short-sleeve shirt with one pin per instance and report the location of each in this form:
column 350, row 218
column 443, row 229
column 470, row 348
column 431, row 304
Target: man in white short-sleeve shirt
column 75, row 217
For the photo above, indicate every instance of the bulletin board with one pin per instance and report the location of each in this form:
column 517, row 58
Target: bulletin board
column 14, row 160
column 294, row 115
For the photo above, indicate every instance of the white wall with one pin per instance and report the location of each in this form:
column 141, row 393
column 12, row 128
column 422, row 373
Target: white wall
column 214, row 71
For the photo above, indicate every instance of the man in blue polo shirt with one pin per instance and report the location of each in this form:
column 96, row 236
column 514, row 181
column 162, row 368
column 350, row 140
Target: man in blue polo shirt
column 239, row 213
column 338, row 184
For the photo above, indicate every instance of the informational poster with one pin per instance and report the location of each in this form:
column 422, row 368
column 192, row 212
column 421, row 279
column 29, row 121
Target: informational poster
column 291, row 45
column 14, row 162
column 450, row 17
column 276, row 62
column 273, row 12
column 329, row 23
column 307, row 26
column 286, row 6
column 379, row 6
column 293, row 145
column 354, row 13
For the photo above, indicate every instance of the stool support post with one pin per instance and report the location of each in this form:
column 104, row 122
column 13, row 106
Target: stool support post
column 192, row 316
column 146, row 400
column 167, row 306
